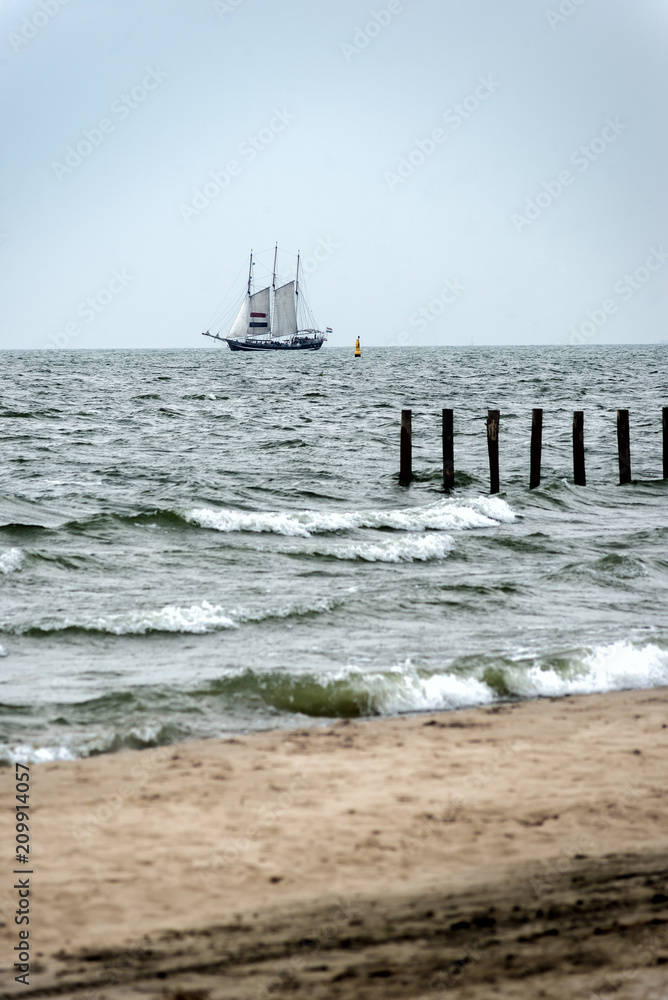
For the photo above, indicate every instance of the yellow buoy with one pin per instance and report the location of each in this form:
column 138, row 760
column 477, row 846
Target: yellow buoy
column 358, row 352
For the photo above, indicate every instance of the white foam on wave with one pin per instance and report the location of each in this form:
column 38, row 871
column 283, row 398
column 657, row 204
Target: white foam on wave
column 424, row 548
column 317, row 605
column 619, row 666
column 479, row 512
column 403, row 688
column 11, row 560
column 411, row 692
column 34, row 755
column 301, row 524
column 197, row 619
column 494, row 508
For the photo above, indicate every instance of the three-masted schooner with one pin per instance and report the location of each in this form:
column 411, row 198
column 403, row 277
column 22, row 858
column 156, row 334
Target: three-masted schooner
column 268, row 319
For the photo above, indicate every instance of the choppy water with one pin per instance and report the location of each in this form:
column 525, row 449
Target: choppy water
column 198, row 542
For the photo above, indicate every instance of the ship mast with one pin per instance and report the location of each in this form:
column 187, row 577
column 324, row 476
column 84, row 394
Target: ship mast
column 250, row 271
column 273, row 288
column 297, row 290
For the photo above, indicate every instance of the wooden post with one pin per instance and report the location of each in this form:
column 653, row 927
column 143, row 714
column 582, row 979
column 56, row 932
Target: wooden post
column 665, row 442
column 406, row 453
column 448, row 451
column 536, row 445
column 579, row 449
column 623, row 446
column 493, row 449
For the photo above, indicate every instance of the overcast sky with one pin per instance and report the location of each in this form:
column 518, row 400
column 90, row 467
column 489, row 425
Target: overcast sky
column 453, row 171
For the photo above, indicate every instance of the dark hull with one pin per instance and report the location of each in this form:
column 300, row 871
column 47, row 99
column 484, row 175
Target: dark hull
column 298, row 344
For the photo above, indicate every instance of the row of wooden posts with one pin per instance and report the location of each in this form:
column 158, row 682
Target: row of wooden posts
column 623, row 448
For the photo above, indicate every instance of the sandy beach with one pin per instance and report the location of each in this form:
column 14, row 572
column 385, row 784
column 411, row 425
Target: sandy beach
column 513, row 851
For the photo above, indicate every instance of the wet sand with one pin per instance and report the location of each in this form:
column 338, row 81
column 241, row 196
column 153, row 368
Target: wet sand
column 515, row 851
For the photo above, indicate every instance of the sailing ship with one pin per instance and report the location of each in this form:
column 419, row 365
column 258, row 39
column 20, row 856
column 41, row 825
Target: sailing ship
column 268, row 319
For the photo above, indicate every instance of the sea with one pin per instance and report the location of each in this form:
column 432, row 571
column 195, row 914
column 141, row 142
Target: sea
column 198, row 543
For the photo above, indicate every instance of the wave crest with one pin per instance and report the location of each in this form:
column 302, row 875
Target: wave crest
column 619, row 666
column 352, row 693
column 197, row 619
column 480, row 512
column 11, row 560
column 394, row 550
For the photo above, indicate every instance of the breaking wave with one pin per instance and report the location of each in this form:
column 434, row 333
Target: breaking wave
column 619, row 666
column 112, row 740
column 395, row 550
column 352, row 693
column 262, row 699
column 197, row 619
column 481, row 512
column 11, row 560
column 35, row 755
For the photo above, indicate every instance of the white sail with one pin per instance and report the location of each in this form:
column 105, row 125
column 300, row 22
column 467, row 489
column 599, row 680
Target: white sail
column 240, row 325
column 258, row 318
column 285, row 316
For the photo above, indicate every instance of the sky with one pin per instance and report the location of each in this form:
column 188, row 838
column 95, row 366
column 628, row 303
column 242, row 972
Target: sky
column 454, row 172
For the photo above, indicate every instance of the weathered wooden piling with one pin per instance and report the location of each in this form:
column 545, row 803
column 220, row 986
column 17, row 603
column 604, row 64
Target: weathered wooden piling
column 579, row 449
column 448, row 451
column 536, row 446
column 493, row 416
column 406, row 452
column 623, row 446
column 493, row 449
